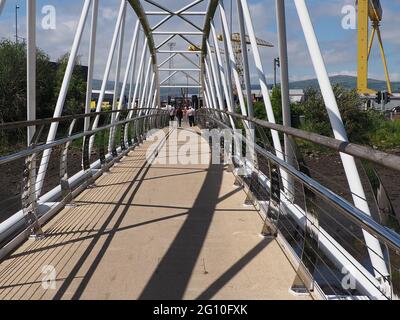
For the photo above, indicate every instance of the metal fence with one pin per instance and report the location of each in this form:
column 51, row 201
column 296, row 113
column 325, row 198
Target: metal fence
column 323, row 230
column 76, row 158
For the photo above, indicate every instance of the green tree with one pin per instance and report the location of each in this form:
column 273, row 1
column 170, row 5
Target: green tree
column 359, row 123
column 75, row 100
column 276, row 101
column 13, row 82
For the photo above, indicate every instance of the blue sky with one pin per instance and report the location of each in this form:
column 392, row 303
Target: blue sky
column 339, row 46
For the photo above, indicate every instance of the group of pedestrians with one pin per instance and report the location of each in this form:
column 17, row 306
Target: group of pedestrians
column 187, row 113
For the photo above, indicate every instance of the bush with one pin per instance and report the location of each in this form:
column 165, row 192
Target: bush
column 49, row 76
column 276, row 100
column 13, row 82
column 364, row 127
column 360, row 125
column 75, row 101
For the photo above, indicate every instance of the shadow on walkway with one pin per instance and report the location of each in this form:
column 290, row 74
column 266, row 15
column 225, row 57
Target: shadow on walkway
column 176, row 267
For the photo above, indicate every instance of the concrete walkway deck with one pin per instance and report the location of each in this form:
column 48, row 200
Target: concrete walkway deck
column 153, row 231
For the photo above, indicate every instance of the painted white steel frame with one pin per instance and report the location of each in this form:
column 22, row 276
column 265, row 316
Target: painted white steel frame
column 221, row 82
column 217, row 84
column 117, row 79
column 62, row 95
column 31, row 65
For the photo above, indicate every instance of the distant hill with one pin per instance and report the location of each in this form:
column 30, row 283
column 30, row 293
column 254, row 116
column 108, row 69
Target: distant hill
column 348, row 82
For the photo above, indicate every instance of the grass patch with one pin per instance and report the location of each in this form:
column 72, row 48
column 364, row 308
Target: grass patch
column 386, row 135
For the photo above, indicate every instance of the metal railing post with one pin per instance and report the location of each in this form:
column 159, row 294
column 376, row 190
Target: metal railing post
column 66, row 192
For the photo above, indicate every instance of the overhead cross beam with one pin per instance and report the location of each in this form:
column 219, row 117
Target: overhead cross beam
column 171, row 37
column 178, row 13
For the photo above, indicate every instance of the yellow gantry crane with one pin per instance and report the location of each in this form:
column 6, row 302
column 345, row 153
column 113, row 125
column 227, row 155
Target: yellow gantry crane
column 369, row 10
column 237, row 50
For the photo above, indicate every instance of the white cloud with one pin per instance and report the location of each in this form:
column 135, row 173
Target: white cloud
column 338, row 47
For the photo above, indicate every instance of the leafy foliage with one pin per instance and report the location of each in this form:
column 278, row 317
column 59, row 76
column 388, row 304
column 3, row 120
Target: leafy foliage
column 363, row 126
column 276, row 100
column 13, row 95
column 13, row 82
column 77, row 88
column 360, row 125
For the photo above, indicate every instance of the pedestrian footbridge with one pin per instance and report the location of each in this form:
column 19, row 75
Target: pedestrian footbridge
column 124, row 204
column 154, row 231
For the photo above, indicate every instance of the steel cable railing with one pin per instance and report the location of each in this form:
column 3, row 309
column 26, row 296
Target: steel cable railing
column 325, row 231
column 71, row 167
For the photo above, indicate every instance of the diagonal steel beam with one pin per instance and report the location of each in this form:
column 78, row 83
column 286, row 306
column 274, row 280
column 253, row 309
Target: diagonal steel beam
column 167, row 60
column 172, row 14
column 187, row 40
column 169, row 77
column 187, row 13
column 190, row 60
column 191, row 77
column 165, row 41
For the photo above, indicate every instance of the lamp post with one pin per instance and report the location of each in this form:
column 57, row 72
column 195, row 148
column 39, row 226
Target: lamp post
column 277, row 64
column 16, row 23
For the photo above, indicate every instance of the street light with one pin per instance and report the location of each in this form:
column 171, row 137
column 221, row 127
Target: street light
column 277, row 64
column 16, row 23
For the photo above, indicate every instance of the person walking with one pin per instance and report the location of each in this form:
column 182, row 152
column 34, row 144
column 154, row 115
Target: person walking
column 191, row 116
column 171, row 113
column 179, row 116
column 185, row 115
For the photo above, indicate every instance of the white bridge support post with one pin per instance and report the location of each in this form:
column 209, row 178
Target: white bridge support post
column 62, row 96
column 230, row 56
column 211, row 84
column 353, row 177
column 211, row 101
column 149, row 102
column 286, row 112
column 145, row 87
column 246, row 72
column 31, row 65
column 223, row 76
column 264, row 87
column 216, row 77
column 92, row 53
column 107, row 70
column 126, row 76
column 139, row 77
column 111, row 140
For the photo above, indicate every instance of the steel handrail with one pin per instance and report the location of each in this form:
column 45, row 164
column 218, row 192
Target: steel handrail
column 387, row 236
column 30, row 151
column 379, row 157
column 39, row 122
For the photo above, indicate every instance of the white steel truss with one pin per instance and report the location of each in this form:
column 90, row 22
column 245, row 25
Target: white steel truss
column 212, row 70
